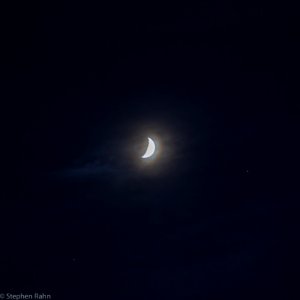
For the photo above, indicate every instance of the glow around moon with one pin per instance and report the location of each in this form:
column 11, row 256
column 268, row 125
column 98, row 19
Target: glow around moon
column 150, row 149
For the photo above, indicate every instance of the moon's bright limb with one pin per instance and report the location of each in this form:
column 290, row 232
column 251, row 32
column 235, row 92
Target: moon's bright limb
column 150, row 149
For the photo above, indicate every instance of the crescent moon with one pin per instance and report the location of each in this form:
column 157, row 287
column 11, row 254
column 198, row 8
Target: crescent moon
column 150, row 149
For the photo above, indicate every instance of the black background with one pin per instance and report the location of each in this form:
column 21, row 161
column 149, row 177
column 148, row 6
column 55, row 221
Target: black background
column 84, row 84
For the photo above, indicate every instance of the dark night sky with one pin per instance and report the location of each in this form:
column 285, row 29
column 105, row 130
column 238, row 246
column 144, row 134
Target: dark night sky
column 84, row 84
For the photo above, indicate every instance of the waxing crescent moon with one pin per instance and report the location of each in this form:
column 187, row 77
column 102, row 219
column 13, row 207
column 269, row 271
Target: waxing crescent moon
column 150, row 149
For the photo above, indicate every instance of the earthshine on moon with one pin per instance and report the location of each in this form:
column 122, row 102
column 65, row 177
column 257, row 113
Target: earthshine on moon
column 150, row 149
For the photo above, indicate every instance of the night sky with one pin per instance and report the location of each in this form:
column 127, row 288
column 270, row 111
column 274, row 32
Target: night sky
column 215, row 216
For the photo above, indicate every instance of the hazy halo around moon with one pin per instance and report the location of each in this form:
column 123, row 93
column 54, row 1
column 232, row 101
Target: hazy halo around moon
column 150, row 149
